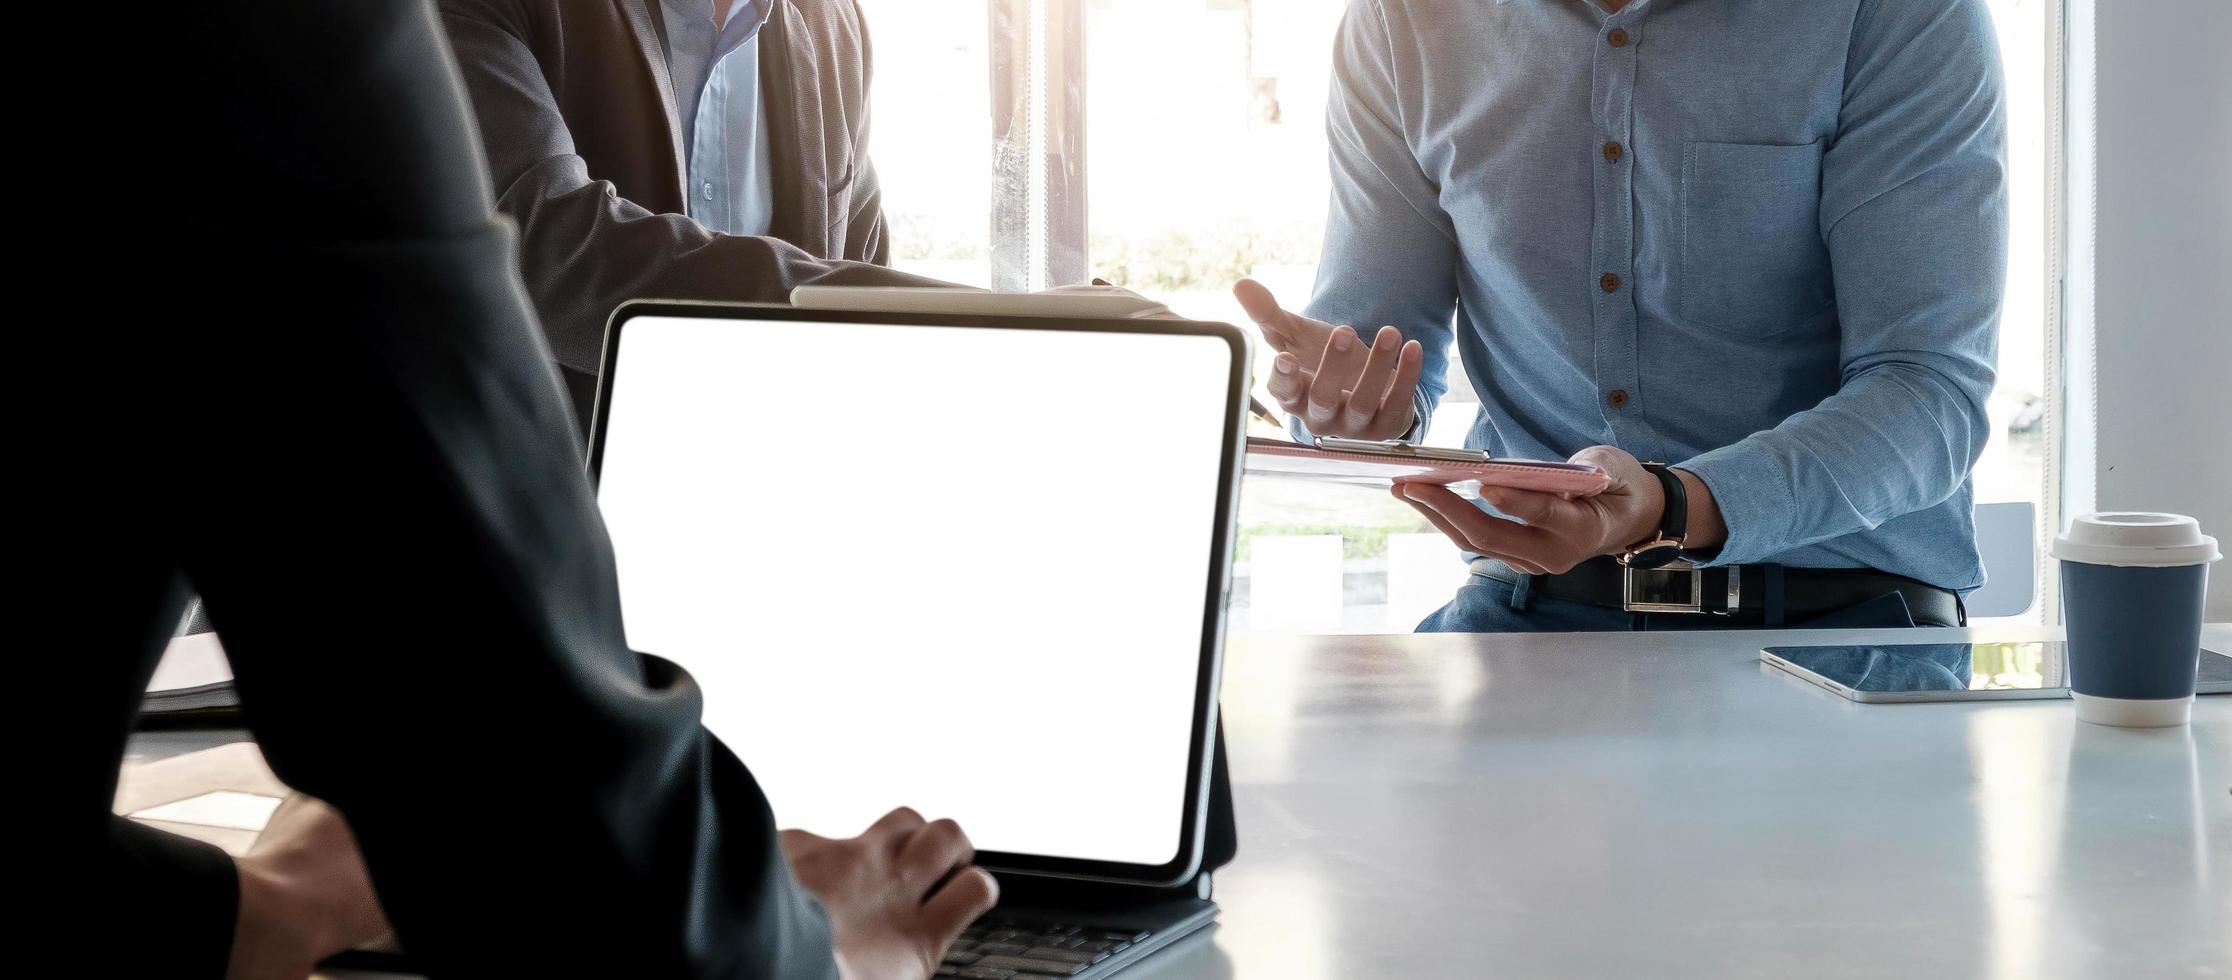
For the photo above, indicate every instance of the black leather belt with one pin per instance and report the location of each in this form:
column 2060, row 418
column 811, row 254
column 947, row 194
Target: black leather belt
column 1766, row 593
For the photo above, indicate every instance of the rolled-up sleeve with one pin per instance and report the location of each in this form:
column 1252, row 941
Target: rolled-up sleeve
column 1914, row 214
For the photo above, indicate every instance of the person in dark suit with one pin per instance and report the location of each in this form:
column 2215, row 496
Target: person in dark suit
column 345, row 432
column 680, row 149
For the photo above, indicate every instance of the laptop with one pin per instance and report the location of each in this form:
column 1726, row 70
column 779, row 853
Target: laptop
column 971, row 564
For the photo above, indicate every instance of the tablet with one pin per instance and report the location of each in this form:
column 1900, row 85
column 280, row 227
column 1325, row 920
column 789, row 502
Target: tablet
column 1112, row 302
column 901, row 580
column 1383, row 464
column 1905, row 672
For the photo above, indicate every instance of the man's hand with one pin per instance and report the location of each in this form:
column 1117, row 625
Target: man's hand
column 304, row 895
column 897, row 895
column 1326, row 377
column 1558, row 533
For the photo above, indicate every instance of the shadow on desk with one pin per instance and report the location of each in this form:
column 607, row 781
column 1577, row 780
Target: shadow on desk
column 1195, row 957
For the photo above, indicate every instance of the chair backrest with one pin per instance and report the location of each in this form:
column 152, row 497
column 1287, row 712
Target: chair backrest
column 2007, row 537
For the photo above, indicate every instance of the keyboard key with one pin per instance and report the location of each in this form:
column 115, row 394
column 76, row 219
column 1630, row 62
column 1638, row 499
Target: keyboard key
column 1019, row 963
column 984, row 973
column 1000, row 949
column 1122, row 937
column 1064, row 955
column 961, row 958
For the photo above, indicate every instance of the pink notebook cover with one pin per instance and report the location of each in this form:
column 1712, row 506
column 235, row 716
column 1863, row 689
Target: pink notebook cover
column 1273, row 457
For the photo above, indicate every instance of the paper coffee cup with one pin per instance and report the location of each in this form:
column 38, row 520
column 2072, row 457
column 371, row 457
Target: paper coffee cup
column 2132, row 592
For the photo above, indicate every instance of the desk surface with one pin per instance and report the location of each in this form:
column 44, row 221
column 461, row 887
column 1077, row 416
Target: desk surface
column 1662, row 805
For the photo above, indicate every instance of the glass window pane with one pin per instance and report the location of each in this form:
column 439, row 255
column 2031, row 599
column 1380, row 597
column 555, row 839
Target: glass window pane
column 930, row 135
column 1207, row 163
column 2013, row 468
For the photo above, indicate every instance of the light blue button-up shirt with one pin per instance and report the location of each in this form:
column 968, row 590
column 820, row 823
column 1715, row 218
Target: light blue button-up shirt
column 715, row 69
column 1761, row 239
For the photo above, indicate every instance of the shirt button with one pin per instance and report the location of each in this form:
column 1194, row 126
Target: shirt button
column 1617, row 39
column 1610, row 283
column 707, row 190
column 1612, row 152
column 1617, row 397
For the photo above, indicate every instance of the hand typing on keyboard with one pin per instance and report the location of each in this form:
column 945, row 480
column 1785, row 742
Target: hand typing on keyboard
column 897, row 895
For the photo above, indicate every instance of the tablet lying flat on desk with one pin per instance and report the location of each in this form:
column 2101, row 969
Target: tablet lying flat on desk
column 1900, row 672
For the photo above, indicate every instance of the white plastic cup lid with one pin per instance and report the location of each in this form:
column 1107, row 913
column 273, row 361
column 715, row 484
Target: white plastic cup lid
column 2135, row 540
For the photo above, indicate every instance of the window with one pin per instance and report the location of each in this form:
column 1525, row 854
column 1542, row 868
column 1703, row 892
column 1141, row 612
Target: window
column 930, row 138
column 1176, row 145
column 2017, row 466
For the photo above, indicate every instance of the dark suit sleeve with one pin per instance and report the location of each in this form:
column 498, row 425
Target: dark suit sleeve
column 584, row 248
column 389, row 525
column 179, row 897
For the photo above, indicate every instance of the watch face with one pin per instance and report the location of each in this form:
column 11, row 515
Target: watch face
column 1655, row 554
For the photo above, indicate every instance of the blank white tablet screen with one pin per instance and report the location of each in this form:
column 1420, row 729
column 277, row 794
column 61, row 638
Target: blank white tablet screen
column 960, row 569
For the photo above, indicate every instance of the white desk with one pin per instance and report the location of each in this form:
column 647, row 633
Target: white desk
column 1661, row 805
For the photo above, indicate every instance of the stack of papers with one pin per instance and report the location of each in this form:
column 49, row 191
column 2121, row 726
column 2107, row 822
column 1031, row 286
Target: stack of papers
column 193, row 675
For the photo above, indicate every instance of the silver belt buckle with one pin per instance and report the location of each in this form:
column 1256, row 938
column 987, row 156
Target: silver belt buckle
column 1674, row 588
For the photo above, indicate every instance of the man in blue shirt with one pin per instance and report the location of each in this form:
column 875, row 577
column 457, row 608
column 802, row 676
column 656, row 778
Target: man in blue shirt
column 1763, row 243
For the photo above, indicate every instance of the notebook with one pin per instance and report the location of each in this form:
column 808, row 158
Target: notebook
column 193, row 675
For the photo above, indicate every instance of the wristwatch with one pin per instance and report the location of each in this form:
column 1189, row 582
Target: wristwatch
column 1666, row 546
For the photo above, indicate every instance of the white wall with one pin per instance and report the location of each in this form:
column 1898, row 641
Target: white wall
column 2161, row 303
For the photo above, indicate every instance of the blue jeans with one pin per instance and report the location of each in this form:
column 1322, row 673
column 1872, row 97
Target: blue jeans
column 1486, row 605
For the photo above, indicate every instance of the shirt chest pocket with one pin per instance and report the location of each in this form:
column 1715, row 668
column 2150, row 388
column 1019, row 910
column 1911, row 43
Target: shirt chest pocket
column 1752, row 259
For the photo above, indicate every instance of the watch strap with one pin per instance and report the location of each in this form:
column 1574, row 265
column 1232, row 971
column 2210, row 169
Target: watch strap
column 1665, row 546
column 1674, row 520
